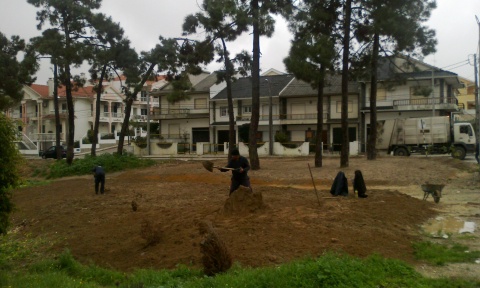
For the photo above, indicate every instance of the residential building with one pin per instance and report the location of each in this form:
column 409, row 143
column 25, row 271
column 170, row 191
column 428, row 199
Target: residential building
column 405, row 89
column 294, row 110
column 36, row 113
column 299, row 102
column 466, row 100
column 185, row 121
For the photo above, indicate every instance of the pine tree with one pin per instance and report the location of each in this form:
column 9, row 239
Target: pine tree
column 70, row 21
column 15, row 73
column 313, row 52
column 222, row 20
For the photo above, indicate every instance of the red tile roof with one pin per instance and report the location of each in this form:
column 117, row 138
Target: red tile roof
column 42, row 90
column 85, row 92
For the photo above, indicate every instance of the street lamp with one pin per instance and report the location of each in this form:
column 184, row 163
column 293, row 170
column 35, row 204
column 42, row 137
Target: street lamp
column 58, row 125
column 270, row 119
column 477, row 108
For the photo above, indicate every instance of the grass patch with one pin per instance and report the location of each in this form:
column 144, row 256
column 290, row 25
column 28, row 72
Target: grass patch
column 330, row 270
column 111, row 163
column 439, row 254
column 34, row 183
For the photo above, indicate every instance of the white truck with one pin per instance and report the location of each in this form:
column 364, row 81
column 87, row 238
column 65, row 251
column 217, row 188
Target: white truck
column 430, row 135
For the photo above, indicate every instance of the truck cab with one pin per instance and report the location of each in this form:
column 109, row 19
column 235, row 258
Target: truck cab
column 463, row 140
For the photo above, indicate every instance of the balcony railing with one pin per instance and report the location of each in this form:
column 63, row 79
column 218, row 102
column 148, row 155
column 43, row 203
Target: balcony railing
column 307, row 116
column 180, row 112
column 140, row 117
column 426, row 101
column 184, row 136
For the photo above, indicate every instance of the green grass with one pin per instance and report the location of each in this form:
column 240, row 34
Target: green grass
column 34, row 183
column 111, row 163
column 441, row 254
column 330, row 270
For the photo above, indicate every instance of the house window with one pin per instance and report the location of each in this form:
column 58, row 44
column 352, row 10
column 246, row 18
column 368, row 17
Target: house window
column 64, row 107
column 424, row 91
column 339, row 106
column 470, row 105
column 143, row 112
column 381, row 94
column 309, row 135
column 143, row 96
column 247, row 109
column 200, row 103
column 223, row 111
column 259, row 136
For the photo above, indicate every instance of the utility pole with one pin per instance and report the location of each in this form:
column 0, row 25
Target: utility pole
column 148, row 122
column 270, row 120
column 433, row 105
column 477, row 108
column 477, row 113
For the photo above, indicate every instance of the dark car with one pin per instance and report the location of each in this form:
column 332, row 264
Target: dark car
column 52, row 153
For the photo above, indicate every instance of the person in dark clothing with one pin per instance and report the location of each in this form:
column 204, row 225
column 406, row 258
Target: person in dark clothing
column 340, row 185
column 99, row 174
column 240, row 174
column 359, row 185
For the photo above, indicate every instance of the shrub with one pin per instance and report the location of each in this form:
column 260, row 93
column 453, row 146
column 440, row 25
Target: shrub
column 141, row 142
column 215, row 256
column 281, row 137
column 150, row 233
column 9, row 175
column 111, row 163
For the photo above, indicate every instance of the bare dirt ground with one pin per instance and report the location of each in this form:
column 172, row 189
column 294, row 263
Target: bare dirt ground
column 177, row 195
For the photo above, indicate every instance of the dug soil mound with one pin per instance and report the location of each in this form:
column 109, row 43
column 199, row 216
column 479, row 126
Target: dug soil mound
column 105, row 230
column 243, row 201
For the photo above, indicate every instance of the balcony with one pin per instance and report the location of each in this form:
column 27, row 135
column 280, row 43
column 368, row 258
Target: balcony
column 448, row 103
column 140, row 118
column 182, row 112
column 307, row 118
column 45, row 137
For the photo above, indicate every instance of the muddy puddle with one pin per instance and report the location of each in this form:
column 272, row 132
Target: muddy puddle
column 442, row 226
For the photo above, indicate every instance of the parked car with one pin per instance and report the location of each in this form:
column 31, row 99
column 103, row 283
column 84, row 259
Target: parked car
column 52, row 152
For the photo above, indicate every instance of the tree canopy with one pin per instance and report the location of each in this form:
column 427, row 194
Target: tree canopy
column 14, row 73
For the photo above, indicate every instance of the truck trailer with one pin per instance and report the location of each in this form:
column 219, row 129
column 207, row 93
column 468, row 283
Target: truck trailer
column 432, row 135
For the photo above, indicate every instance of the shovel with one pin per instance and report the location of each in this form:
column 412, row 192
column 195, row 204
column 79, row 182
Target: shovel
column 209, row 166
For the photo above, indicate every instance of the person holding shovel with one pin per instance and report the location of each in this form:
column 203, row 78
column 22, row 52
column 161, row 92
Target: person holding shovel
column 240, row 173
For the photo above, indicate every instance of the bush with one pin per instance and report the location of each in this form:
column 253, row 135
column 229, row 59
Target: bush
column 141, row 142
column 281, row 137
column 108, row 136
column 111, row 163
column 150, row 233
column 9, row 175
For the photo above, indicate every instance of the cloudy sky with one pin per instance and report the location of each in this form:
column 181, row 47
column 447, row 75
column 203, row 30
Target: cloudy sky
column 144, row 20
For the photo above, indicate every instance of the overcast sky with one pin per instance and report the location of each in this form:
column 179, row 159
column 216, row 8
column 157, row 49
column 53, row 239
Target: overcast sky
column 145, row 20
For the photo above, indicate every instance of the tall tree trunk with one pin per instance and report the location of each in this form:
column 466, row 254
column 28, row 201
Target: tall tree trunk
column 68, row 90
column 71, row 116
column 252, row 143
column 372, row 137
column 318, row 138
column 128, row 108
column 97, row 112
column 58, row 125
column 231, row 116
column 346, row 53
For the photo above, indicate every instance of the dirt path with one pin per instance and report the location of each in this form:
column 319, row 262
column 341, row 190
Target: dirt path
column 176, row 196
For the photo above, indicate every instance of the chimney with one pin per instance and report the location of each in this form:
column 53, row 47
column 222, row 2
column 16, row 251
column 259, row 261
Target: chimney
column 50, row 86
